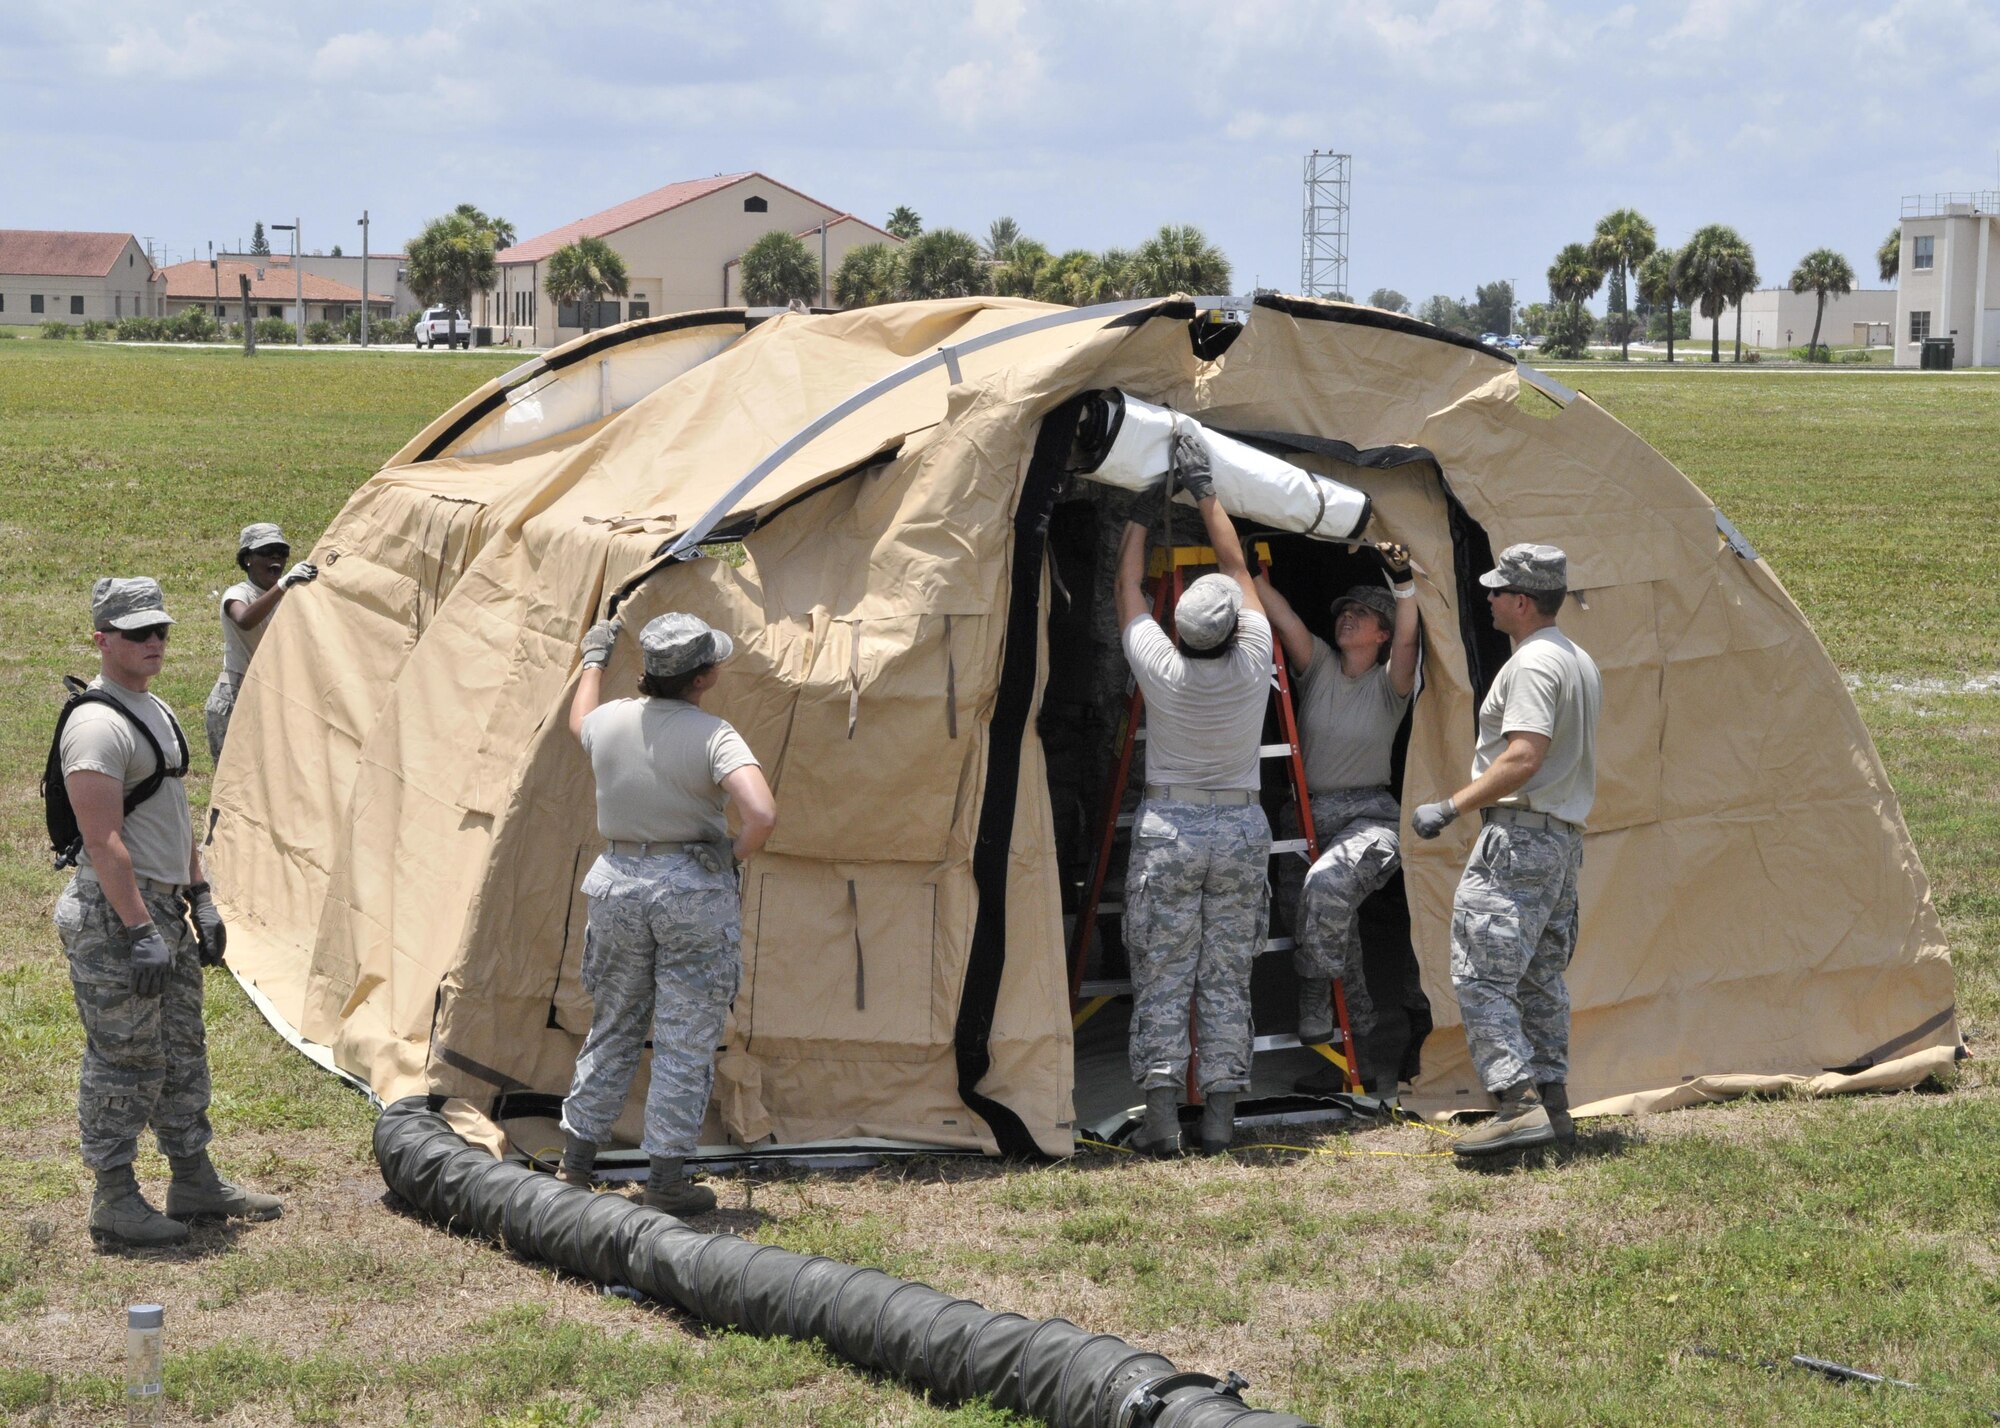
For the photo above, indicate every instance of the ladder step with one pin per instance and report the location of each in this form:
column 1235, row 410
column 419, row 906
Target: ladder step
column 1288, row 845
column 1274, row 751
column 1107, row 989
column 1280, row 944
column 1285, row 1042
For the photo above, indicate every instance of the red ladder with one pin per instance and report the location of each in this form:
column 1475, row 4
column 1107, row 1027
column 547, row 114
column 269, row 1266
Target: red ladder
column 1169, row 569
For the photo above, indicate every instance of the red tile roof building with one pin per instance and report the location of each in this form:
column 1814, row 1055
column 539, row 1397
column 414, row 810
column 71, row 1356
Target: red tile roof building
column 272, row 289
column 680, row 245
column 50, row 275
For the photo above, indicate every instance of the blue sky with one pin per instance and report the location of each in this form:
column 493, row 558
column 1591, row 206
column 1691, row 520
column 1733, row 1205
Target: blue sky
column 1484, row 135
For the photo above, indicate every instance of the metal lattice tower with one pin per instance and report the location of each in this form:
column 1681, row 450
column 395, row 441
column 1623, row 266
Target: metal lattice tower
column 1323, row 269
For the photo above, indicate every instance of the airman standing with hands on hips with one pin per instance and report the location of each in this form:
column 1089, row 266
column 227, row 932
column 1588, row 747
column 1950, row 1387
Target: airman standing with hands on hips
column 120, row 760
column 662, row 947
column 1514, row 917
column 247, row 607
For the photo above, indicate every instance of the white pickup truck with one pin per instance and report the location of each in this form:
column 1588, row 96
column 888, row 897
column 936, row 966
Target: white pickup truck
column 442, row 324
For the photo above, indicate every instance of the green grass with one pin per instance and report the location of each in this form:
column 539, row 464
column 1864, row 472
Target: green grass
column 1644, row 1282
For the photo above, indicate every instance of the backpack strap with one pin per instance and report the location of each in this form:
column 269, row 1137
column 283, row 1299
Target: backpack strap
column 146, row 787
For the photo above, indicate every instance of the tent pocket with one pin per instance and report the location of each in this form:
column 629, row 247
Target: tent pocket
column 876, row 752
column 843, row 969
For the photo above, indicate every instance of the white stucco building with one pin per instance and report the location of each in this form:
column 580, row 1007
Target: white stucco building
column 1778, row 318
column 1948, row 277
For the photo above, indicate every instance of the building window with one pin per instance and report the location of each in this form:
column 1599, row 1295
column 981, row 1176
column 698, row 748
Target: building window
column 638, row 308
column 35, row 303
column 3, row 302
column 76, row 306
column 221, row 310
column 756, row 205
column 570, row 314
column 1922, row 251
column 1920, row 326
column 275, row 310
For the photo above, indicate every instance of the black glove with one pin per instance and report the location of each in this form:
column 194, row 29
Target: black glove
column 1191, row 465
column 209, row 933
column 151, row 959
column 1431, row 819
column 1396, row 558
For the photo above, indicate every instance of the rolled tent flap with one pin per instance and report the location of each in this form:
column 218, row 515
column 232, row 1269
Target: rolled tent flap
column 1128, row 443
column 1047, row 1369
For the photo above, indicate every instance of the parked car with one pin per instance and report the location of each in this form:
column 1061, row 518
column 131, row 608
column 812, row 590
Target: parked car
column 442, row 324
column 1512, row 342
column 1490, row 339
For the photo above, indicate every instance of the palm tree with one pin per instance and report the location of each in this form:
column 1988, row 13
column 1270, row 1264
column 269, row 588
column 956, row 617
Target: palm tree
column 500, row 228
column 942, row 263
column 451, row 260
column 904, row 223
column 1001, row 236
column 1656, row 287
column 1820, row 272
column 1077, row 278
column 1574, row 278
column 868, row 275
column 1743, row 281
column 1120, row 276
column 1021, row 271
column 1705, row 272
column 1889, row 257
column 1624, row 239
column 778, row 269
column 1178, row 259
column 581, row 273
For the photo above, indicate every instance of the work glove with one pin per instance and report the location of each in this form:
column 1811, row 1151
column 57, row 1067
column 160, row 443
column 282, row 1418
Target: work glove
column 151, row 959
column 304, row 573
column 1396, row 558
column 1191, row 465
column 597, row 643
column 1431, row 819
column 210, row 936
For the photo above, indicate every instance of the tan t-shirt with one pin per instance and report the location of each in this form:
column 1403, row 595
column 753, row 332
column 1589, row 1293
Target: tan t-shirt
column 159, row 833
column 659, row 765
column 1549, row 687
column 1348, row 725
column 238, row 644
column 1204, row 717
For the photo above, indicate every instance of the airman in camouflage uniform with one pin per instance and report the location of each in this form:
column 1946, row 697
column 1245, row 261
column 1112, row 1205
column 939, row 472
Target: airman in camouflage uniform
column 661, row 948
column 1514, row 918
column 1195, row 889
column 134, row 964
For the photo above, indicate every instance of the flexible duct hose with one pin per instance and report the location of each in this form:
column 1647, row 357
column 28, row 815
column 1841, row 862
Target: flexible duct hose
column 1047, row 1368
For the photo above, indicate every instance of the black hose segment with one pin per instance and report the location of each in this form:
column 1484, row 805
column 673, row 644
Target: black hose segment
column 1048, row 1368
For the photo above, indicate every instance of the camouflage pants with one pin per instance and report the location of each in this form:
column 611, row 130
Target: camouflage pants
column 662, row 949
column 1513, row 931
column 215, row 713
column 145, row 1059
column 1196, row 905
column 1359, row 851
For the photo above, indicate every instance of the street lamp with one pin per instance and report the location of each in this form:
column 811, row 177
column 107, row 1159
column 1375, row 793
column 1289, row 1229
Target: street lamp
column 363, row 221
column 298, row 280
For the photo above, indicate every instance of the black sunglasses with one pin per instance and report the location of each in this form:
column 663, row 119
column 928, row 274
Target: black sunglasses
column 146, row 632
column 272, row 552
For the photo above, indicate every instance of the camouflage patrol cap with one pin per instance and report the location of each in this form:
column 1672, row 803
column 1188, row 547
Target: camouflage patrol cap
column 1529, row 567
column 1207, row 610
column 261, row 534
column 131, row 602
column 1372, row 598
column 675, row 643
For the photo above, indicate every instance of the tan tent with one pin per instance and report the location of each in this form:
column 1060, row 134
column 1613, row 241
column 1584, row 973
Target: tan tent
column 403, row 819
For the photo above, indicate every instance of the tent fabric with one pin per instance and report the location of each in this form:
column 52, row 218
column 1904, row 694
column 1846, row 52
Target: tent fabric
column 402, row 819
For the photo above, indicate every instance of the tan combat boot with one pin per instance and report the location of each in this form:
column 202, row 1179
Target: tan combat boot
column 669, row 1189
column 1315, row 1010
column 1520, row 1124
column 579, row 1161
column 198, row 1193
column 120, row 1218
column 1555, row 1100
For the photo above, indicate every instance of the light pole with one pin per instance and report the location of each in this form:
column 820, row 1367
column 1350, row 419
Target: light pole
column 298, row 281
column 363, row 221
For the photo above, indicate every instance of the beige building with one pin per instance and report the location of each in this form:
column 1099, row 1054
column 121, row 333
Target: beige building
column 273, row 290
column 52, row 276
column 383, row 270
column 1948, row 277
column 681, row 245
column 1777, row 318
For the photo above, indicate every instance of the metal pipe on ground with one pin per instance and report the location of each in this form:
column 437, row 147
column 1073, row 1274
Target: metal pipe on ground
column 1048, row 1369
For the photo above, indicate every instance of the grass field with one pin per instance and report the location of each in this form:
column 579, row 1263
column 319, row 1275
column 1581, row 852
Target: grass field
column 1357, row 1279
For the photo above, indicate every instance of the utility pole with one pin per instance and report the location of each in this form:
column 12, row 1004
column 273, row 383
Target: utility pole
column 364, row 277
column 249, row 316
column 215, row 273
column 823, row 301
column 298, row 281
